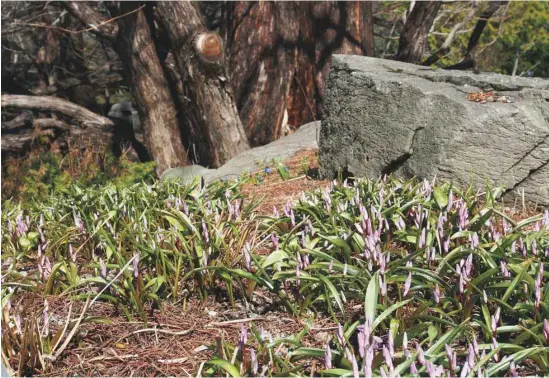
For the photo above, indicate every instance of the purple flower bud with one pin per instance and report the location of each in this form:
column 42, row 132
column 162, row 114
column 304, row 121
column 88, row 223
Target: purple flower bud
column 382, row 286
column 497, row 314
column 135, row 263
column 46, row 317
column 247, row 256
column 464, row 370
column 340, row 335
column 471, row 357
column 356, row 374
column 475, row 345
column 368, row 361
column 436, row 294
column 328, row 356
column 72, row 253
column 420, row 355
column 546, row 330
column 243, row 337
column 274, row 240
column 494, row 324
column 446, row 244
column 255, row 364
column 362, row 341
column 388, row 357
column 413, row 368
column 451, row 356
column 469, row 265
column 102, row 268
column 205, row 233
column 391, row 343
column 292, row 217
column 513, row 369
column 400, row 223
column 495, row 345
column 422, row 237
column 407, row 284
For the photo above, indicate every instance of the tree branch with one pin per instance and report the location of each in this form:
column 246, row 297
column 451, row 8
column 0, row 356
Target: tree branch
column 89, row 16
column 54, row 104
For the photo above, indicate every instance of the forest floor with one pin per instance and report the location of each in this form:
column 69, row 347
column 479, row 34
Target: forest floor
column 177, row 339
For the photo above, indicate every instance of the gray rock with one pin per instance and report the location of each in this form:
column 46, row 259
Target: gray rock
column 390, row 117
column 304, row 138
column 187, row 174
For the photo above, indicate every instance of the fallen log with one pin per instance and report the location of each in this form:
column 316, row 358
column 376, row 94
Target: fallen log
column 22, row 120
column 15, row 143
column 54, row 104
column 50, row 123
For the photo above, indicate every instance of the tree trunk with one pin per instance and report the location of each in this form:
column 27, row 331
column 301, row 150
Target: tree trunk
column 305, row 97
column 481, row 24
column 133, row 42
column 416, row 30
column 368, row 28
column 156, row 108
column 211, row 107
column 262, row 47
column 469, row 58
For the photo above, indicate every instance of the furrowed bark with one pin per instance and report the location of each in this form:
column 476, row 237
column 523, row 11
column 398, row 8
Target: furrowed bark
column 136, row 49
column 211, row 107
column 416, row 30
column 261, row 41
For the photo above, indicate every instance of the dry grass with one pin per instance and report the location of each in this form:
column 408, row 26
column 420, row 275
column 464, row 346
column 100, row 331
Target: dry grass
column 276, row 192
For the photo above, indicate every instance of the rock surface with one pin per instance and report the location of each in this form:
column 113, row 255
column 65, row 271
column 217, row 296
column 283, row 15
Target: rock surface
column 385, row 116
column 304, row 138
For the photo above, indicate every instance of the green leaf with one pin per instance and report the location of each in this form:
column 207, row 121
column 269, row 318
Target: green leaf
column 370, row 301
column 334, row 292
column 524, row 267
column 388, row 312
column 225, row 365
column 441, row 197
column 274, row 257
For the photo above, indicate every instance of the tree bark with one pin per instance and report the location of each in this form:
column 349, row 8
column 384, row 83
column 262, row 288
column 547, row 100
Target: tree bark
column 262, row 45
column 416, row 30
column 368, row 28
column 22, row 120
column 53, row 104
column 155, row 105
column 89, row 16
column 134, row 44
column 211, row 107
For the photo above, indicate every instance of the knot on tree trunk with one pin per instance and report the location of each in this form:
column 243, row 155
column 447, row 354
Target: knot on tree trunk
column 209, row 47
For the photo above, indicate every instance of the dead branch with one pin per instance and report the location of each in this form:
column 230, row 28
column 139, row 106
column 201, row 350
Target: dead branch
column 14, row 143
column 50, row 123
column 22, row 120
column 54, row 104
